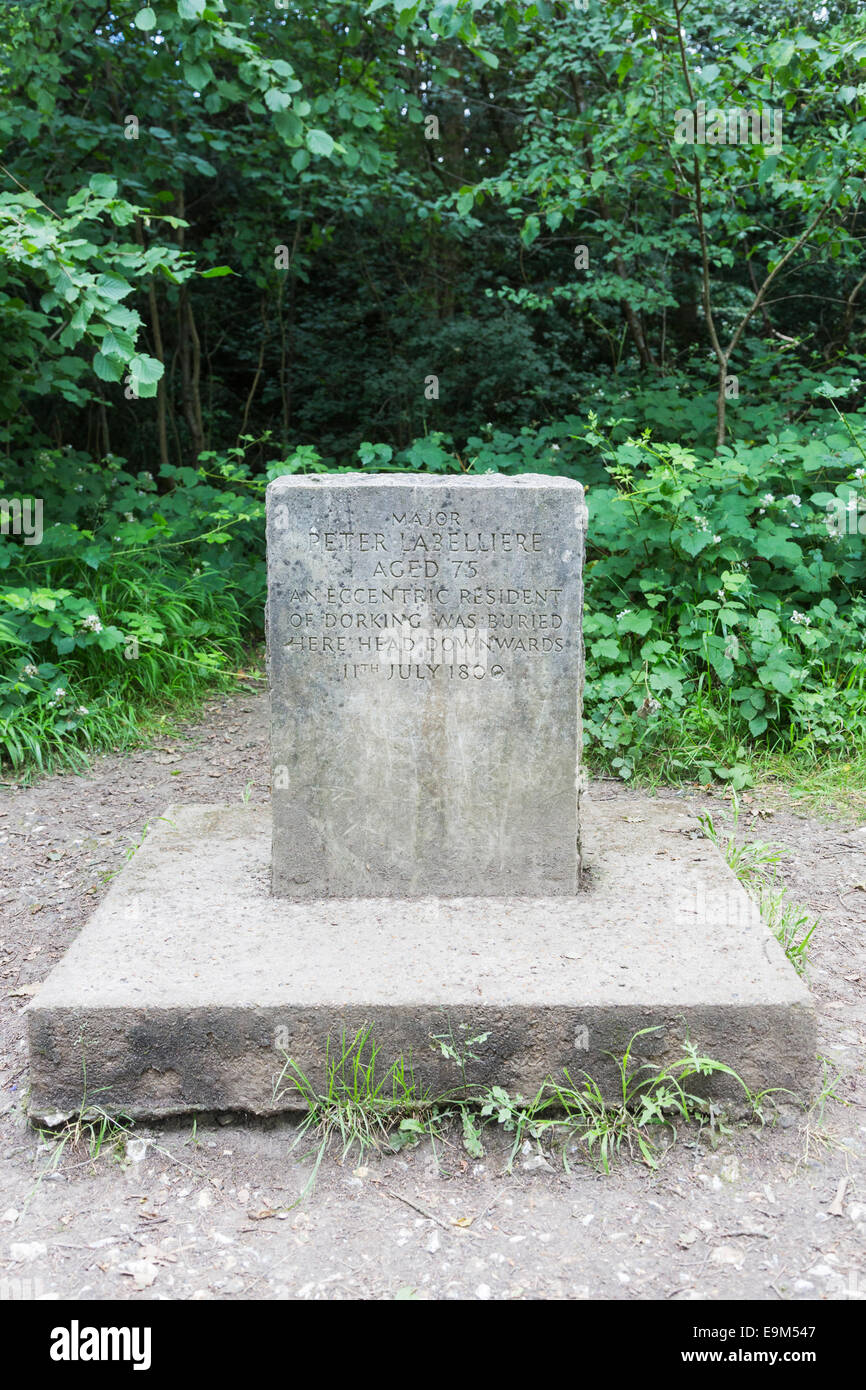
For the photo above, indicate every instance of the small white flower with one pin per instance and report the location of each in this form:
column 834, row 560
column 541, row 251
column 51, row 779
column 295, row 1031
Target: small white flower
column 623, row 614
column 793, row 498
column 79, row 487
column 82, row 709
column 720, row 595
column 91, row 623
column 795, row 525
column 30, row 670
column 768, row 499
column 860, row 472
column 555, row 446
column 129, row 516
column 716, row 540
column 60, row 693
column 801, row 619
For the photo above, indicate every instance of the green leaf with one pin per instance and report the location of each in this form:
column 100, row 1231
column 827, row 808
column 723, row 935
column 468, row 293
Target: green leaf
column 767, row 169
column 93, row 555
column 145, row 372
column 288, row 126
column 190, row 9
column 103, row 185
column 606, row 647
column 108, row 368
column 145, row 19
column 275, row 100
column 781, row 53
column 319, row 142
column 530, row 230
column 639, row 623
column 116, row 343
column 778, row 677
column 197, row 74
column 216, row 271
column 113, row 286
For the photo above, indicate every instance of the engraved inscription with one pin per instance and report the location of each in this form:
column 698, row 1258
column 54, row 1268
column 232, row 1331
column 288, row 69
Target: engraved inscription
column 442, row 621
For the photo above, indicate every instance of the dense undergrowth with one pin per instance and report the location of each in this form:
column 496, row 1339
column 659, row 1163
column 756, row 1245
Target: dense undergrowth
column 724, row 616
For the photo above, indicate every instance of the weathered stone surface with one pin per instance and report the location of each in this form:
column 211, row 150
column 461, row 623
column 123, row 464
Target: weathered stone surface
column 425, row 656
column 190, row 982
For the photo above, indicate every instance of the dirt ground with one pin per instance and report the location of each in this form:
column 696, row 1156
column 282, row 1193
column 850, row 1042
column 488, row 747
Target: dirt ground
column 772, row 1214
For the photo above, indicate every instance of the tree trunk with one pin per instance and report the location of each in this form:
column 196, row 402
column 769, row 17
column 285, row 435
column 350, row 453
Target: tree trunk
column 159, row 353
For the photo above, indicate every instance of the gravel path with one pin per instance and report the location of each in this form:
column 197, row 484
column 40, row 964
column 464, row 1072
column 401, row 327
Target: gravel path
column 204, row 1213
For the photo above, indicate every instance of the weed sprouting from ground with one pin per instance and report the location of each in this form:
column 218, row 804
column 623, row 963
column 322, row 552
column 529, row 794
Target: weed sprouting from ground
column 359, row 1108
column 89, row 1133
column 817, row 1135
column 756, row 866
column 133, row 849
column 363, row 1108
column 651, row 1101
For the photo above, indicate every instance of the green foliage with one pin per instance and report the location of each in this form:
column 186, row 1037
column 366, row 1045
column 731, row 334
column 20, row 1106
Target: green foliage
column 723, row 611
column 723, row 607
column 179, row 142
column 80, row 281
column 224, row 225
column 141, row 593
column 90, row 1130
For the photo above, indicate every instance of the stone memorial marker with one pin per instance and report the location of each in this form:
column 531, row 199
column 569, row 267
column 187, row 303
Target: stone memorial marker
column 426, row 668
column 426, row 673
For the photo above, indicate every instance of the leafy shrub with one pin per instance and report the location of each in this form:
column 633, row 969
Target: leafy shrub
column 142, row 591
column 722, row 610
column 723, row 615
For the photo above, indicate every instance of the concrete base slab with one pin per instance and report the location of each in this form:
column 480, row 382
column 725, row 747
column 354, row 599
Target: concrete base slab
column 190, row 983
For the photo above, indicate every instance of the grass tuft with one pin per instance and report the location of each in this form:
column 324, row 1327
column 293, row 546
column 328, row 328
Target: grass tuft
column 369, row 1109
column 756, row 866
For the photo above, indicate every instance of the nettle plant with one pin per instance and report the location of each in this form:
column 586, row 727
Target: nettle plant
column 722, row 608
